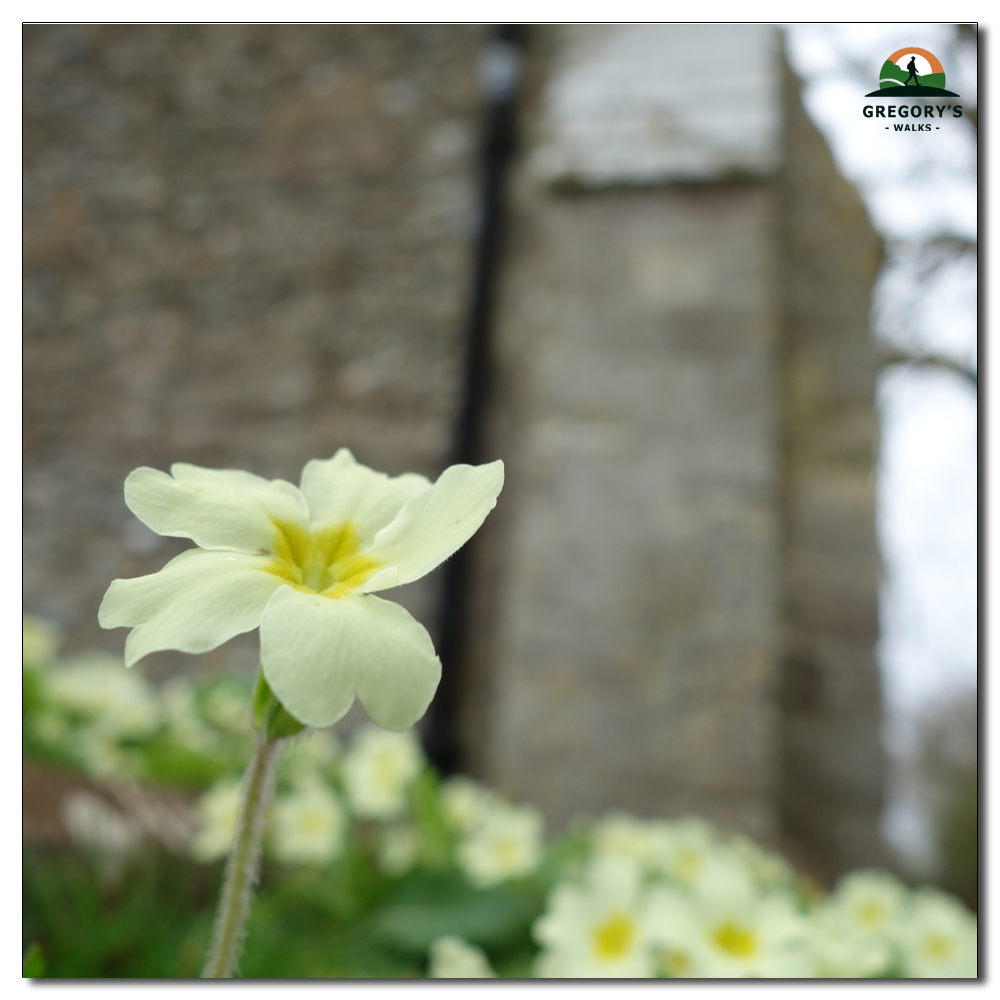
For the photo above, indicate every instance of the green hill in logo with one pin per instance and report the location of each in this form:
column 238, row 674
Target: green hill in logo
column 893, row 78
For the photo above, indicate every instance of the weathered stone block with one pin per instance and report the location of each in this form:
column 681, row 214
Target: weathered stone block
column 245, row 246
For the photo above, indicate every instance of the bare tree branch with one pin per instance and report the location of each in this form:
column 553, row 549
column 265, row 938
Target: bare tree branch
column 896, row 357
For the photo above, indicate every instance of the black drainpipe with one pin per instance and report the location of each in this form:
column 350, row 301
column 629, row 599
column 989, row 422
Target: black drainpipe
column 500, row 73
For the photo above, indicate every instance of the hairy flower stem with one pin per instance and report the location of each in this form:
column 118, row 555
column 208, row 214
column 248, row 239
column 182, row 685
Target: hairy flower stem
column 244, row 860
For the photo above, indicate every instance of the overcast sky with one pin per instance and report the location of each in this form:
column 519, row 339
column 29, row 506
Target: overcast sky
column 918, row 189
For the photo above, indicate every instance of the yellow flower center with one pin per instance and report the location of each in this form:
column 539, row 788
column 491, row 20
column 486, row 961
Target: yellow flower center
column 505, row 850
column 870, row 914
column 388, row 769
column 687, row 863
column 735, row 940
column 613, row 938
column 675, row 964
column 313, row 823
column 938, row 947
column 324, row 562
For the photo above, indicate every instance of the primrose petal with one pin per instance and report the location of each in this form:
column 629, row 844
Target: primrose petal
column 198, row 601
column 215, row 508
column 434, row 524
column 301, row 564
column 318, row 652
column 341, row 489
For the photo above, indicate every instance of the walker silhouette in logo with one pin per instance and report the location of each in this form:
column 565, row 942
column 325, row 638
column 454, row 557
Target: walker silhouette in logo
column 912, row 72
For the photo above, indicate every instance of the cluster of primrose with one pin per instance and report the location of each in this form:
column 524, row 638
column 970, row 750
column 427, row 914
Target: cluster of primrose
column 679, row 899
column 384, row 785
column 87, row 713
column 619, row 897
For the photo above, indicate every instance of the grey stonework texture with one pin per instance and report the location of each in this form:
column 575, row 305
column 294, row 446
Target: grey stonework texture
column 635, row 644
column 679, row 596
column 833, row 772
column 244, row 247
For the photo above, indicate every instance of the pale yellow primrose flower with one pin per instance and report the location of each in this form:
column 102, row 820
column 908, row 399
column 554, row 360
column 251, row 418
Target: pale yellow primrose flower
column 94, row 824
column 101, row 755
column 724, row 927
column 869, row 901
column 850, row 933
column 309, row 756
column 39, row 641
column 505, row 843
column 683, row 847
column 184, row 723
column 308, row 825
column 646, row 842
column 50, row 727
column 217, row 811
column 303, row 563
column 377, row 771
column 118, row 704
column 398, row 849
column 676, row 848
column 465, row 802
column 453, row 958
column 937, row 938
column 227, row 708
column 598, row 929
column 770, row 869
column 840, row 950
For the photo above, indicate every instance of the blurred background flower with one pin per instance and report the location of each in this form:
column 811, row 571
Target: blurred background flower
column 217, row 811
column 503, row 843
column 378, row 770
column 308, row 825
column 452, row 958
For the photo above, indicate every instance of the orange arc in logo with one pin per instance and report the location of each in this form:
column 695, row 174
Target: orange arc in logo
column 936, row 66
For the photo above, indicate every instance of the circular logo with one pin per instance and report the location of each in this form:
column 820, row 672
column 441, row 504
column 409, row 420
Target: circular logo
column 913, row 72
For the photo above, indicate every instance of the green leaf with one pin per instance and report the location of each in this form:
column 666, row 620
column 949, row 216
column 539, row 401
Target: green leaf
column 32, row 691
column 169, row 762
column 436, row 838
column 427, row 905
column 33, row 966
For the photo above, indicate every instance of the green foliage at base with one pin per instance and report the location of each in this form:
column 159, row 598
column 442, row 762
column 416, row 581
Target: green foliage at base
column 152, row 918
column 33, row 964
column 376, row 867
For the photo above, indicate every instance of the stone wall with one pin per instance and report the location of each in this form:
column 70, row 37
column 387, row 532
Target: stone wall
column 630, row 653
column 833, row 770
column 635, row 643
column 244, row 247
column 680, row 593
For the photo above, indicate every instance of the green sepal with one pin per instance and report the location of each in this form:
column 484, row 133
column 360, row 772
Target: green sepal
column 261, row 700
column 281, row 722
column 267, row 711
